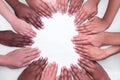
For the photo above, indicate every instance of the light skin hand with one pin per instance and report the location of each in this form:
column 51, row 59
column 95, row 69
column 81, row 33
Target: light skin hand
column 74, row 6
column 23, row 28
column 62, row 5
column 21, row 57
column 96, row 40
column 65, row 74
column 79, row 74
column 15, row 40
column 19, row 25
column 33, row 70
column 50, row 72
column 94, row 25
column 40, row 7
column 94, row 69
column 95, row 53
column 24, row 12
column 87, row 11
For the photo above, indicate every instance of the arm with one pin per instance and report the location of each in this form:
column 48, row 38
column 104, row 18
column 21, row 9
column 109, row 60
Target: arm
column 111, row 38
column 4, row 11
column 19, row 25
column 87, row 11
column 95, row 53
column 112, row 9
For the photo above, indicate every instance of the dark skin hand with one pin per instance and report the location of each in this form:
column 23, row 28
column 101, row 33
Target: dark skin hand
column 27, row 14
column 74, row 6
column 40, row 7
column 65, row 74
column 34, row 70
column 12, row 39
column 79, row 74
column 94, row 69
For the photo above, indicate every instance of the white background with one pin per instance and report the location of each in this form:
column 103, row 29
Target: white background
column 55, row 42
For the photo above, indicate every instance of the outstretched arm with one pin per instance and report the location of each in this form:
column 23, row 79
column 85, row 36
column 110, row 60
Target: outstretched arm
column 95, row 53
column 98, row 40
column 19, row 25
column 112, row 10
column 96, row 24
column 26, row 13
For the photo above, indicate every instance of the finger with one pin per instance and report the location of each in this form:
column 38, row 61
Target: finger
column 55, row 68
column 69, row 77
column 81, row 50
column 30, row 58
column 66, row 5
column 74, row 72
column 84, row 67
column 82, row 18
column 84, row 62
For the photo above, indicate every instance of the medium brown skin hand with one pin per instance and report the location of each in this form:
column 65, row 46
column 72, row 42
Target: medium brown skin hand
column 24, row 12
column 94, row 69
column 40, row 7
column 94, row 53
column 21, row 57
column 62, row 5
column 65, row 74
column 79, row 74
column 33, row 70
column 96, row 40
column 74, row 6
column 87, row 11
column 91, row 52
column 10, row 38
column 94, row 25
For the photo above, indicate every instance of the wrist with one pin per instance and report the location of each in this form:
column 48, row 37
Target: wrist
column 107, row 39
column 14, row 21
column 3, row 60
column 95, row 1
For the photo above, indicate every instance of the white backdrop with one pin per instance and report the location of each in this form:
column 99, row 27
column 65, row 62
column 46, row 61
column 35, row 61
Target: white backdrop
column 55, row 42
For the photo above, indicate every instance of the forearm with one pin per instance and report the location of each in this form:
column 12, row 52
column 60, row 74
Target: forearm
column 13, row 3
column 112, row 38
column 112, row 50
column 96, row 1
column 5, row 12
column 111, row 11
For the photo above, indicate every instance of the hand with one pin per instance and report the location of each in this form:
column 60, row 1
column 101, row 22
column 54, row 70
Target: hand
column 94, row 25
column 74, row 6
column 91, row 52
column 24, row 12
column 23, row 28
column 96, row 40
column 65, row 74
column 62, row 5
column 52, row 5
column 12, row 39
column 40, row 7
column 33, row 70
column 79, row 74
column 50, row 72
column 94, row 69
column 21, row 57
column 87, row 11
